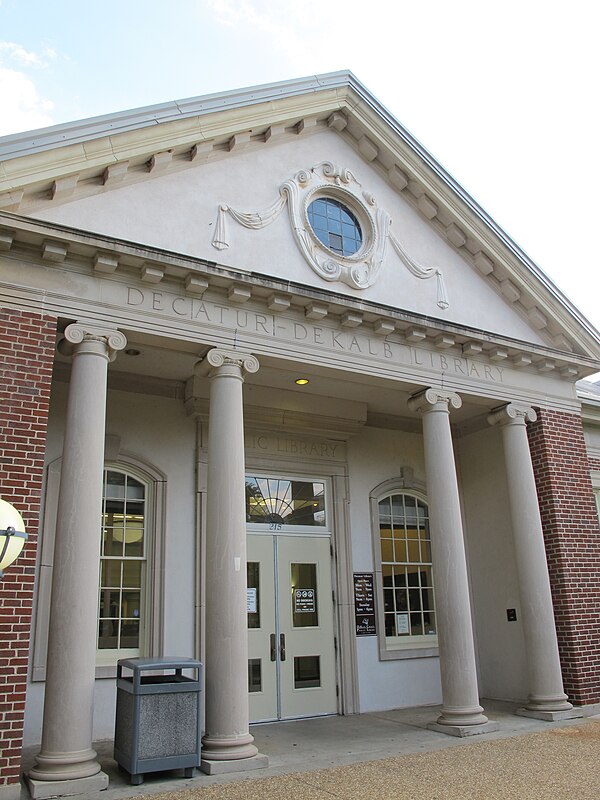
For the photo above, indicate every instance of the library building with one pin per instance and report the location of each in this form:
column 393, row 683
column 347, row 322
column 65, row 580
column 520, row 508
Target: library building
column 279, row 396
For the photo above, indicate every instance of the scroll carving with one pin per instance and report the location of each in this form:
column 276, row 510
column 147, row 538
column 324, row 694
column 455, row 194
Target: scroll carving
column 245, row 361
column 360, row 270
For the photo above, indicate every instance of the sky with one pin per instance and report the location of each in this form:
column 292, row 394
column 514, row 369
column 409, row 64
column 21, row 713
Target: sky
column 503, row 94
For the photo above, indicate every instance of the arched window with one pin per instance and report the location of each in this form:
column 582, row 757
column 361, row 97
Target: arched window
column 123, row 565
column 404, row 574
column 131, row 581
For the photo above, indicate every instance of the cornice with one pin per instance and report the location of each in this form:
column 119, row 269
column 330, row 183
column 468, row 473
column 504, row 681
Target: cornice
column 55, row 246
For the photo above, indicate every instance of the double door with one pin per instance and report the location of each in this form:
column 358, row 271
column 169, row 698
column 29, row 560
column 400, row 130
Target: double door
column 291, row 646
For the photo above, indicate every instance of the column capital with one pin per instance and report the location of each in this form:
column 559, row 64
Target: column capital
column 512, row 414
column 79, row 332
column 232, row 358
column 434, row 399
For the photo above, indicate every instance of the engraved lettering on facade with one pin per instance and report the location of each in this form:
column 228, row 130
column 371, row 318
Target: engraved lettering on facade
column 361, row 345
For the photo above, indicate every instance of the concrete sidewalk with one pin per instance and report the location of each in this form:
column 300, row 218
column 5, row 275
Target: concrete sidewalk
column 393, row 755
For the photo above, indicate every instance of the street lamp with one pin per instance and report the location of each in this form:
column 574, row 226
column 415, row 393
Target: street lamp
column 12, row 535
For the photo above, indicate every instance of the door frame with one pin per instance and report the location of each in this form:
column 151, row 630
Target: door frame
column 334, row 473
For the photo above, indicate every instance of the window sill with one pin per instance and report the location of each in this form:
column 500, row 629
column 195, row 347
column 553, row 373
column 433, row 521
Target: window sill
column 412, row 652
column 38, row 674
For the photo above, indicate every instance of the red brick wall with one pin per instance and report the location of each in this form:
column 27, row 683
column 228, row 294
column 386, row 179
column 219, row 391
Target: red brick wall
column 572, row 537
column 26, row 356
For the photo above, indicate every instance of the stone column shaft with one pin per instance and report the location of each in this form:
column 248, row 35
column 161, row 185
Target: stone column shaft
column 461, row 708
column 227, row 737
column 66, row 752
column 545, row 677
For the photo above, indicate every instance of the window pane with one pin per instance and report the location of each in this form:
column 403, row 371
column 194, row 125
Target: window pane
column 130, row 633
column 385, row 510
column 115, row 484
column 110, row 573
column 388, row 599
column 430, row 627
column 400, row 550
column 387, row 550
column 416, row 625
column 413, row 552
column 399, row 576
column 254, row 675
column 132, row 574
column 108, row 634
column 130, row 604
column 277, row 501
column 305, row 613
column 135, row 489
column 401, row 600
column 253, row 593
column 110, row 601
column 307, row 672
column 386, row 572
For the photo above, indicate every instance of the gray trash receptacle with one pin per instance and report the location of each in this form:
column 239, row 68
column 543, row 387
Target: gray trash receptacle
column 158, row 717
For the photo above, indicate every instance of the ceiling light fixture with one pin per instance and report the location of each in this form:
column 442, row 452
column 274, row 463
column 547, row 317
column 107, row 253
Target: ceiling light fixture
column 301, row 381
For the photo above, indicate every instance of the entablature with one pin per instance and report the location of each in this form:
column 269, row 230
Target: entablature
column 43, row 244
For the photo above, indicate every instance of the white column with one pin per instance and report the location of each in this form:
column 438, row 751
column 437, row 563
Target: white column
column 227, row 744
column 67, row 763
column 546, row 698
column 461, row 713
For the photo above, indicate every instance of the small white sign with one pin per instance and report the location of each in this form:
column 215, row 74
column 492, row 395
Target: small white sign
column 251, row 600
column 402, row 624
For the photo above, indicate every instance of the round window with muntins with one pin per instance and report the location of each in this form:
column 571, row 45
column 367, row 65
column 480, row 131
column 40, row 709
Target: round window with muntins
column 335, row 226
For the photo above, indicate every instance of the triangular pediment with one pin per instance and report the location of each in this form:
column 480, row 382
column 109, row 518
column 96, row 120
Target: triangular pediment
column 159, row 176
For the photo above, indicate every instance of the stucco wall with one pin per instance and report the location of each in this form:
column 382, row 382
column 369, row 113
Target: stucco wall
column 374, row 456
column 492, row 568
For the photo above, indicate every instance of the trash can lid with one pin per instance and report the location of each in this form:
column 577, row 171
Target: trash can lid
column 166, row 662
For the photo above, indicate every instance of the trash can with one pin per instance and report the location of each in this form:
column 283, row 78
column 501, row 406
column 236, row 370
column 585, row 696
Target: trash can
column 157, row 725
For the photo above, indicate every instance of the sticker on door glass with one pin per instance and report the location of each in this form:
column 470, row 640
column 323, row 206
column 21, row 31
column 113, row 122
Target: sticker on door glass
column 304, row 601
column 251, row 604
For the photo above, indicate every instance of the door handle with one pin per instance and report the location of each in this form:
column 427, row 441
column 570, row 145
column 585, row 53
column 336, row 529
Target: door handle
column 273, row 643
column 282, row 646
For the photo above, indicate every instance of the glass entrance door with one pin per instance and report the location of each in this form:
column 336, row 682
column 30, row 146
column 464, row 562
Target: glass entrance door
column 291, row 651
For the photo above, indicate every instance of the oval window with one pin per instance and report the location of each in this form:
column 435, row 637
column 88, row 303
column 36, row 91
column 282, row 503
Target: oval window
column 335, row 226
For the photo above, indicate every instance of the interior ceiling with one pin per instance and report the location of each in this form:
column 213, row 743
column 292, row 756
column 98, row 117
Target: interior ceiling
column 170, row 360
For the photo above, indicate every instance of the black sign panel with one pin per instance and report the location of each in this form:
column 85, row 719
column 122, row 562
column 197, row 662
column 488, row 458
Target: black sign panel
column 364, row 604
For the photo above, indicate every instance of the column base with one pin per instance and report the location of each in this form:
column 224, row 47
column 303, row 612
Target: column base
column 210, row 767
column 462, row 716
column 41, row 790
column 550, row 716
column 228, row 748
column 464, row 730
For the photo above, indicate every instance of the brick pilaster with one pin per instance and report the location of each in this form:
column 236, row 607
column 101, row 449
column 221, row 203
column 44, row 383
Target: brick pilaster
column 27, row 344
column 572, row 537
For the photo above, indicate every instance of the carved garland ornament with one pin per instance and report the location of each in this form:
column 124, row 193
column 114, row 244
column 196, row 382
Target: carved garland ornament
column 330, row 182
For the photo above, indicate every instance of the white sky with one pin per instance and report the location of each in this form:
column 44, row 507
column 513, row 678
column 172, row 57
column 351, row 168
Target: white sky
column 503, row 94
